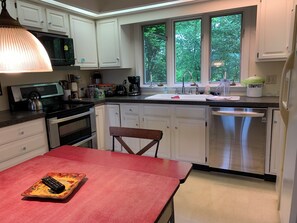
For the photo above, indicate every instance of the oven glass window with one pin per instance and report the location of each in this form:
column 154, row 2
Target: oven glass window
column 75, row 130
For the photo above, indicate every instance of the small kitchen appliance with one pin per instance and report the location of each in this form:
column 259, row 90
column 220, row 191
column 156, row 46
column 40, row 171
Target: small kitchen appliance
column 134, row 87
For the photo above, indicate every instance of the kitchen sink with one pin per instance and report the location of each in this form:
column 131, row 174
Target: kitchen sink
column 179, row 97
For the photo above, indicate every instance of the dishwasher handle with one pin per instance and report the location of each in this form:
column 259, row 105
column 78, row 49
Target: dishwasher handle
column 238, row 114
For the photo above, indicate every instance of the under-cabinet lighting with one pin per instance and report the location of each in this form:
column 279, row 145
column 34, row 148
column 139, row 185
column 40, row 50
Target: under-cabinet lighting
column 118, row 12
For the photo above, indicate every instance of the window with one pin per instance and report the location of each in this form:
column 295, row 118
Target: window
column 199, row 49
column 225, row 47
column 187, row 39
column 154, row 53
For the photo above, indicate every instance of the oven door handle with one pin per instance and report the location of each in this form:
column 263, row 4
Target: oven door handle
column 238, row 113
column 84, row 141
column 56, row 121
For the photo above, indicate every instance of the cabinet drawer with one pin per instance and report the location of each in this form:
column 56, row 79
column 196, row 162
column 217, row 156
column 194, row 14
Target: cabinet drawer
column 20, row 131
column 190, row 112
column 21, row 147
column 156, row 110
column 130, row 109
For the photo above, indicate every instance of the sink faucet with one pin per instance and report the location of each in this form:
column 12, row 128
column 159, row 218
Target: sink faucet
column 183, row 90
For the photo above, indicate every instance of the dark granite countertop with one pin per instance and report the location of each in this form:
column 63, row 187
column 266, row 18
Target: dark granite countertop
column 11, row 118
column 262, row 102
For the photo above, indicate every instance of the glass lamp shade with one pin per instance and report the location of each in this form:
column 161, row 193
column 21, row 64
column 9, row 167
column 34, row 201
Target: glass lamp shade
column 20, row 51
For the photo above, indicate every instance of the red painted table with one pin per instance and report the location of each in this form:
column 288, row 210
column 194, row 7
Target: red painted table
column 108, row 195
column 163, row 167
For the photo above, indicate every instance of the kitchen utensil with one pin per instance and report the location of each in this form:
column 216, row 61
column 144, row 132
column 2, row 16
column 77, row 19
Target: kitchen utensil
column 34, row 104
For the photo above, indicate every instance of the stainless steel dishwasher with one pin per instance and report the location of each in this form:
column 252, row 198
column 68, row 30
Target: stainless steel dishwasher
column 237, row 139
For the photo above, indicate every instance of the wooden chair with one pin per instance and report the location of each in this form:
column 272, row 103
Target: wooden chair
column 119, row 132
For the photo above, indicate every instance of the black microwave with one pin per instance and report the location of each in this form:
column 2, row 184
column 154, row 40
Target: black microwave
column 59, row 48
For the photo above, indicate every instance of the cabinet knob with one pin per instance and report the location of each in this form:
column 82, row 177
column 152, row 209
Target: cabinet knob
column 167, row 127
column 136, row 124
column 118, row 59
column 49, row 23
column 130, row 109
column 41, row 21
column 176, row 127
column 24, row 148
column 116, row 113
column 21, row 132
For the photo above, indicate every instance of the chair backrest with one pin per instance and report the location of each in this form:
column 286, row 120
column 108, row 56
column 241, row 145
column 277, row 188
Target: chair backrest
column 119, row 132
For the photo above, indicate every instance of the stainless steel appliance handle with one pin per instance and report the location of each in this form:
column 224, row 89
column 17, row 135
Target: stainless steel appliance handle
column 238, row 113
column 56, row 121
column 85, row 140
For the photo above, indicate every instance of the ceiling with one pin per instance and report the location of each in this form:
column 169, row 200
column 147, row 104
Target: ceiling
column 102, row 6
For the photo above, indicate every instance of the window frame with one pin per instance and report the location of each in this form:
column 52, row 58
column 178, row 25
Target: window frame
column 248, row 28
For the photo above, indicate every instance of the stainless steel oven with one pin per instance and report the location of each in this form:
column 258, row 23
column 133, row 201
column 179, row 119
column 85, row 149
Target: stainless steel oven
column 68, row 122
column 78, row 129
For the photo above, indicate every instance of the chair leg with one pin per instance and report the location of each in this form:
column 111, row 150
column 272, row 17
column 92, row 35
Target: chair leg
column 157, row 149
column 113, row 143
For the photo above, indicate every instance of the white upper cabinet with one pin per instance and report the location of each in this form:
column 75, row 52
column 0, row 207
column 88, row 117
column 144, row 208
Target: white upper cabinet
column 108, row 43
column 31, row 15
column 115, row 44
column 57, row 21
column 274, row 25
column 83, row 33
column 42, row 19
column 10, row 6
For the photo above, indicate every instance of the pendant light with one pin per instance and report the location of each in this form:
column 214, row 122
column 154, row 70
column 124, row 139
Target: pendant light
column 20, row 51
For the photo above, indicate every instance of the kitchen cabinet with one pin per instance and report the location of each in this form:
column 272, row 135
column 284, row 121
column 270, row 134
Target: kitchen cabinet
column 21, row 142
column 83, row 32
column 114, row 44
column 112, row 118
column 158, row 117
column 130, row 117
column 10, row 6
column 100, row 125
column 186, row 123
column 274, row 25
column 190, row 134
column 42, row 19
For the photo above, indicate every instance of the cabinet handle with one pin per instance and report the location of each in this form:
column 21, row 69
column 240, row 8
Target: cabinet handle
column 136, row 124
column 24, row 148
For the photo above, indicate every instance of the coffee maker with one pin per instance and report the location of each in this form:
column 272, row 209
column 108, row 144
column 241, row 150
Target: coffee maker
column 134, row 87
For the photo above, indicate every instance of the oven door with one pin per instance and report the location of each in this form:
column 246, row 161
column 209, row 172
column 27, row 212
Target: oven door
column 76, row 129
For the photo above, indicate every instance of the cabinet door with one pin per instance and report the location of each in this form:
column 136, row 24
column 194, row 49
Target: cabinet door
column 190, row 140
column 84, row 37
column 108, row 43
column 10, row 6
column 112, row 118
column 100, row 125
column 158, row 123
column 273, row 29
column 57, row 21
column 31, row 15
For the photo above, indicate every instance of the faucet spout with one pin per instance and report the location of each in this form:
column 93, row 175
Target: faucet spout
column 183, row 90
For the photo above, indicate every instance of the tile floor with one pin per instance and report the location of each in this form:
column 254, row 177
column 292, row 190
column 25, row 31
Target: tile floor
column 209, row 197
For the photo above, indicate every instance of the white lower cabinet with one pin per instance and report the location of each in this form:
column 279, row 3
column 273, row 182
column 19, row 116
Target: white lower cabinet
column 190, row 134
column 100, row 125
column 184, row 129
column 112, row 118
column 158, row 117
column 21, row 142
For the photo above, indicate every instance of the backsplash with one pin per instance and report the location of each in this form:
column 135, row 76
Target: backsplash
column 29, row 78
